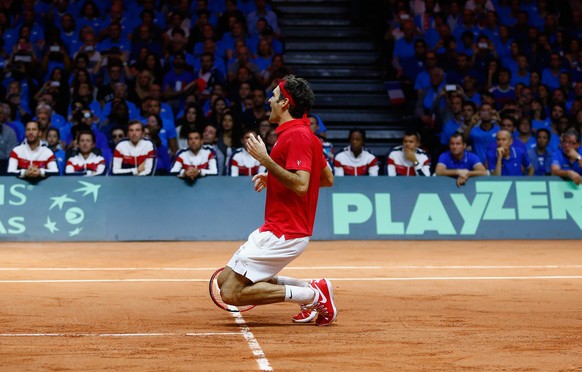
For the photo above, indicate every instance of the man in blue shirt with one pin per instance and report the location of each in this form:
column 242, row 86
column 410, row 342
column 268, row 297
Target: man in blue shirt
column 507, row 160
column 482, row 130
column 567, row 162
column 457, row 162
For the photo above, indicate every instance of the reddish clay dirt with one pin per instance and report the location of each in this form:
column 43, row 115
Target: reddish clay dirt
column 402, row 306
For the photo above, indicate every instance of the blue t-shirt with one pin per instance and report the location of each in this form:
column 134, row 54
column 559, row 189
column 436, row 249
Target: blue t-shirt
column 468, row 161
column 511, row 166
column 449, row 128
column 403, row 48
column 480, row 139
column 540, row 162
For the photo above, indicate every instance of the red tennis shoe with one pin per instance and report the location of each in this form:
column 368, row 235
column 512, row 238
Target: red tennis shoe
column 305, row 316
column 324, row 303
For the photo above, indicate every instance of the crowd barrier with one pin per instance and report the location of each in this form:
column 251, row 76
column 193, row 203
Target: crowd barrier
column 226, row 209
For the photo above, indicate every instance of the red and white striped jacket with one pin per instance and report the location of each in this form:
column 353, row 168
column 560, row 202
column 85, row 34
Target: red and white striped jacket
column 205, row 160
column 22, row 157
column 93, row 165
column 127, row 157
column 243, row 164
column 398, row 165
column 346, row 163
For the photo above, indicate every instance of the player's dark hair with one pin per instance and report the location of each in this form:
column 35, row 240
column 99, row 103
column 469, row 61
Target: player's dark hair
column 302, row 94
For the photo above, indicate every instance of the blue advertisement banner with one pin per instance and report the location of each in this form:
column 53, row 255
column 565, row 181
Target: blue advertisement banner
column 223, row 208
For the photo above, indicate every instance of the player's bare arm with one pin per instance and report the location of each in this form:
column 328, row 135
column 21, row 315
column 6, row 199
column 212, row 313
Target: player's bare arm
column 326, row 179
column 296, row 181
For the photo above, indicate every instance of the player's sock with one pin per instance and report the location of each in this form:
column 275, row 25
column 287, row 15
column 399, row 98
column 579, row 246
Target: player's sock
column 286, row 280
column 299, row 295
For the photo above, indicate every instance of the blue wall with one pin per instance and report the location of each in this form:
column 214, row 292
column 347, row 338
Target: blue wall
column 223, row 208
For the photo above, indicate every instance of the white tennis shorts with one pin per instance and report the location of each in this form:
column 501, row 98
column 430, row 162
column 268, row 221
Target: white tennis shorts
column 264, row 255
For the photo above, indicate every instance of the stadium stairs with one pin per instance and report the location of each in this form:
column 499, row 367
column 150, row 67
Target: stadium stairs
column 340, row 60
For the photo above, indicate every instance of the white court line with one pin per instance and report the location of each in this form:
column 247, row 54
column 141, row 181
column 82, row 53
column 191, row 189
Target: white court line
column 252, row 342
column 173, row 268
column 394, row 267
column 425, row 278
column 118, row 334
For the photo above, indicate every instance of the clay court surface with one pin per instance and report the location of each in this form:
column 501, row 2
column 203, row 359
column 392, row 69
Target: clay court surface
column 491, row 305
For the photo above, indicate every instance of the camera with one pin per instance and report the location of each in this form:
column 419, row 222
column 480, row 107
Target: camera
column 483, row 46
column 55, row 84
column 55, row 48
column 450, row 87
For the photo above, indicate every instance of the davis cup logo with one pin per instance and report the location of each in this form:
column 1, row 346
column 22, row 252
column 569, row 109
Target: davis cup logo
column 66, row 217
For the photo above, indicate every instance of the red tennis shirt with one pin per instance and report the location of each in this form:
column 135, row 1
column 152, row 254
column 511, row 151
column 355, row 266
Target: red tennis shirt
column 286, row 213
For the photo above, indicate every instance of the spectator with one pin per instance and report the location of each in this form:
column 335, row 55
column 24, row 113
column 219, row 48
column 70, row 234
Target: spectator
column 404, row 47
column 195, row 161
column 86, row 161
column 508, row 160
column 31, row 160
column 459, row 163
column 262, row 12
column 210, row 138
column 567, row 162
column 503, row 92
column 8, row 141
column 228, row 135
column 251, row 118
column 241, row 163
column 408, row 159
column 356, row 160
column 53, row 140
column 482, row 130
column 152, row 131
column 189, row 122
column 539, row 155
column 134, row 155
column 177, row 82
column 524, row 133
column 454, row 124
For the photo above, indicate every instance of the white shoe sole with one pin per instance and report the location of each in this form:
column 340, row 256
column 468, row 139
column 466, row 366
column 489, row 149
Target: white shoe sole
column 306, row 320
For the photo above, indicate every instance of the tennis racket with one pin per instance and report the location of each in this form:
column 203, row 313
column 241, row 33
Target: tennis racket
column 215, row 295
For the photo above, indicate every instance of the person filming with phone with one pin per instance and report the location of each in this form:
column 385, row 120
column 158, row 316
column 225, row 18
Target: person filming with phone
column 482, row 130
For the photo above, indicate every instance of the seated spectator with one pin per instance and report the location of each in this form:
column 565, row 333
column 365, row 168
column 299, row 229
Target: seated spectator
column 508, row 160
column 241, row 163
column 482, row 129
column 459, row 163
column 567, row 162
column 31, row 160
column 8, row 141
column 551, row 74
column 524, row 133
column 195, row 161
column 408, row 159
column 210, row 139
column 134, row 155
column 53, row 140
column 190, row 121
column 539, row 155
column 356, row 160
column 503, row 92
column 86, row 162
column 152, row 130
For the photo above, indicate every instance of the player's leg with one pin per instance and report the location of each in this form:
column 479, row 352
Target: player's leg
column 305, row 314
column 248, row 278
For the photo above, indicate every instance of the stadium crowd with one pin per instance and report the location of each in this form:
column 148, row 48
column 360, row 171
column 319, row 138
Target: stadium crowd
column 145, row 87
column 496, row 82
